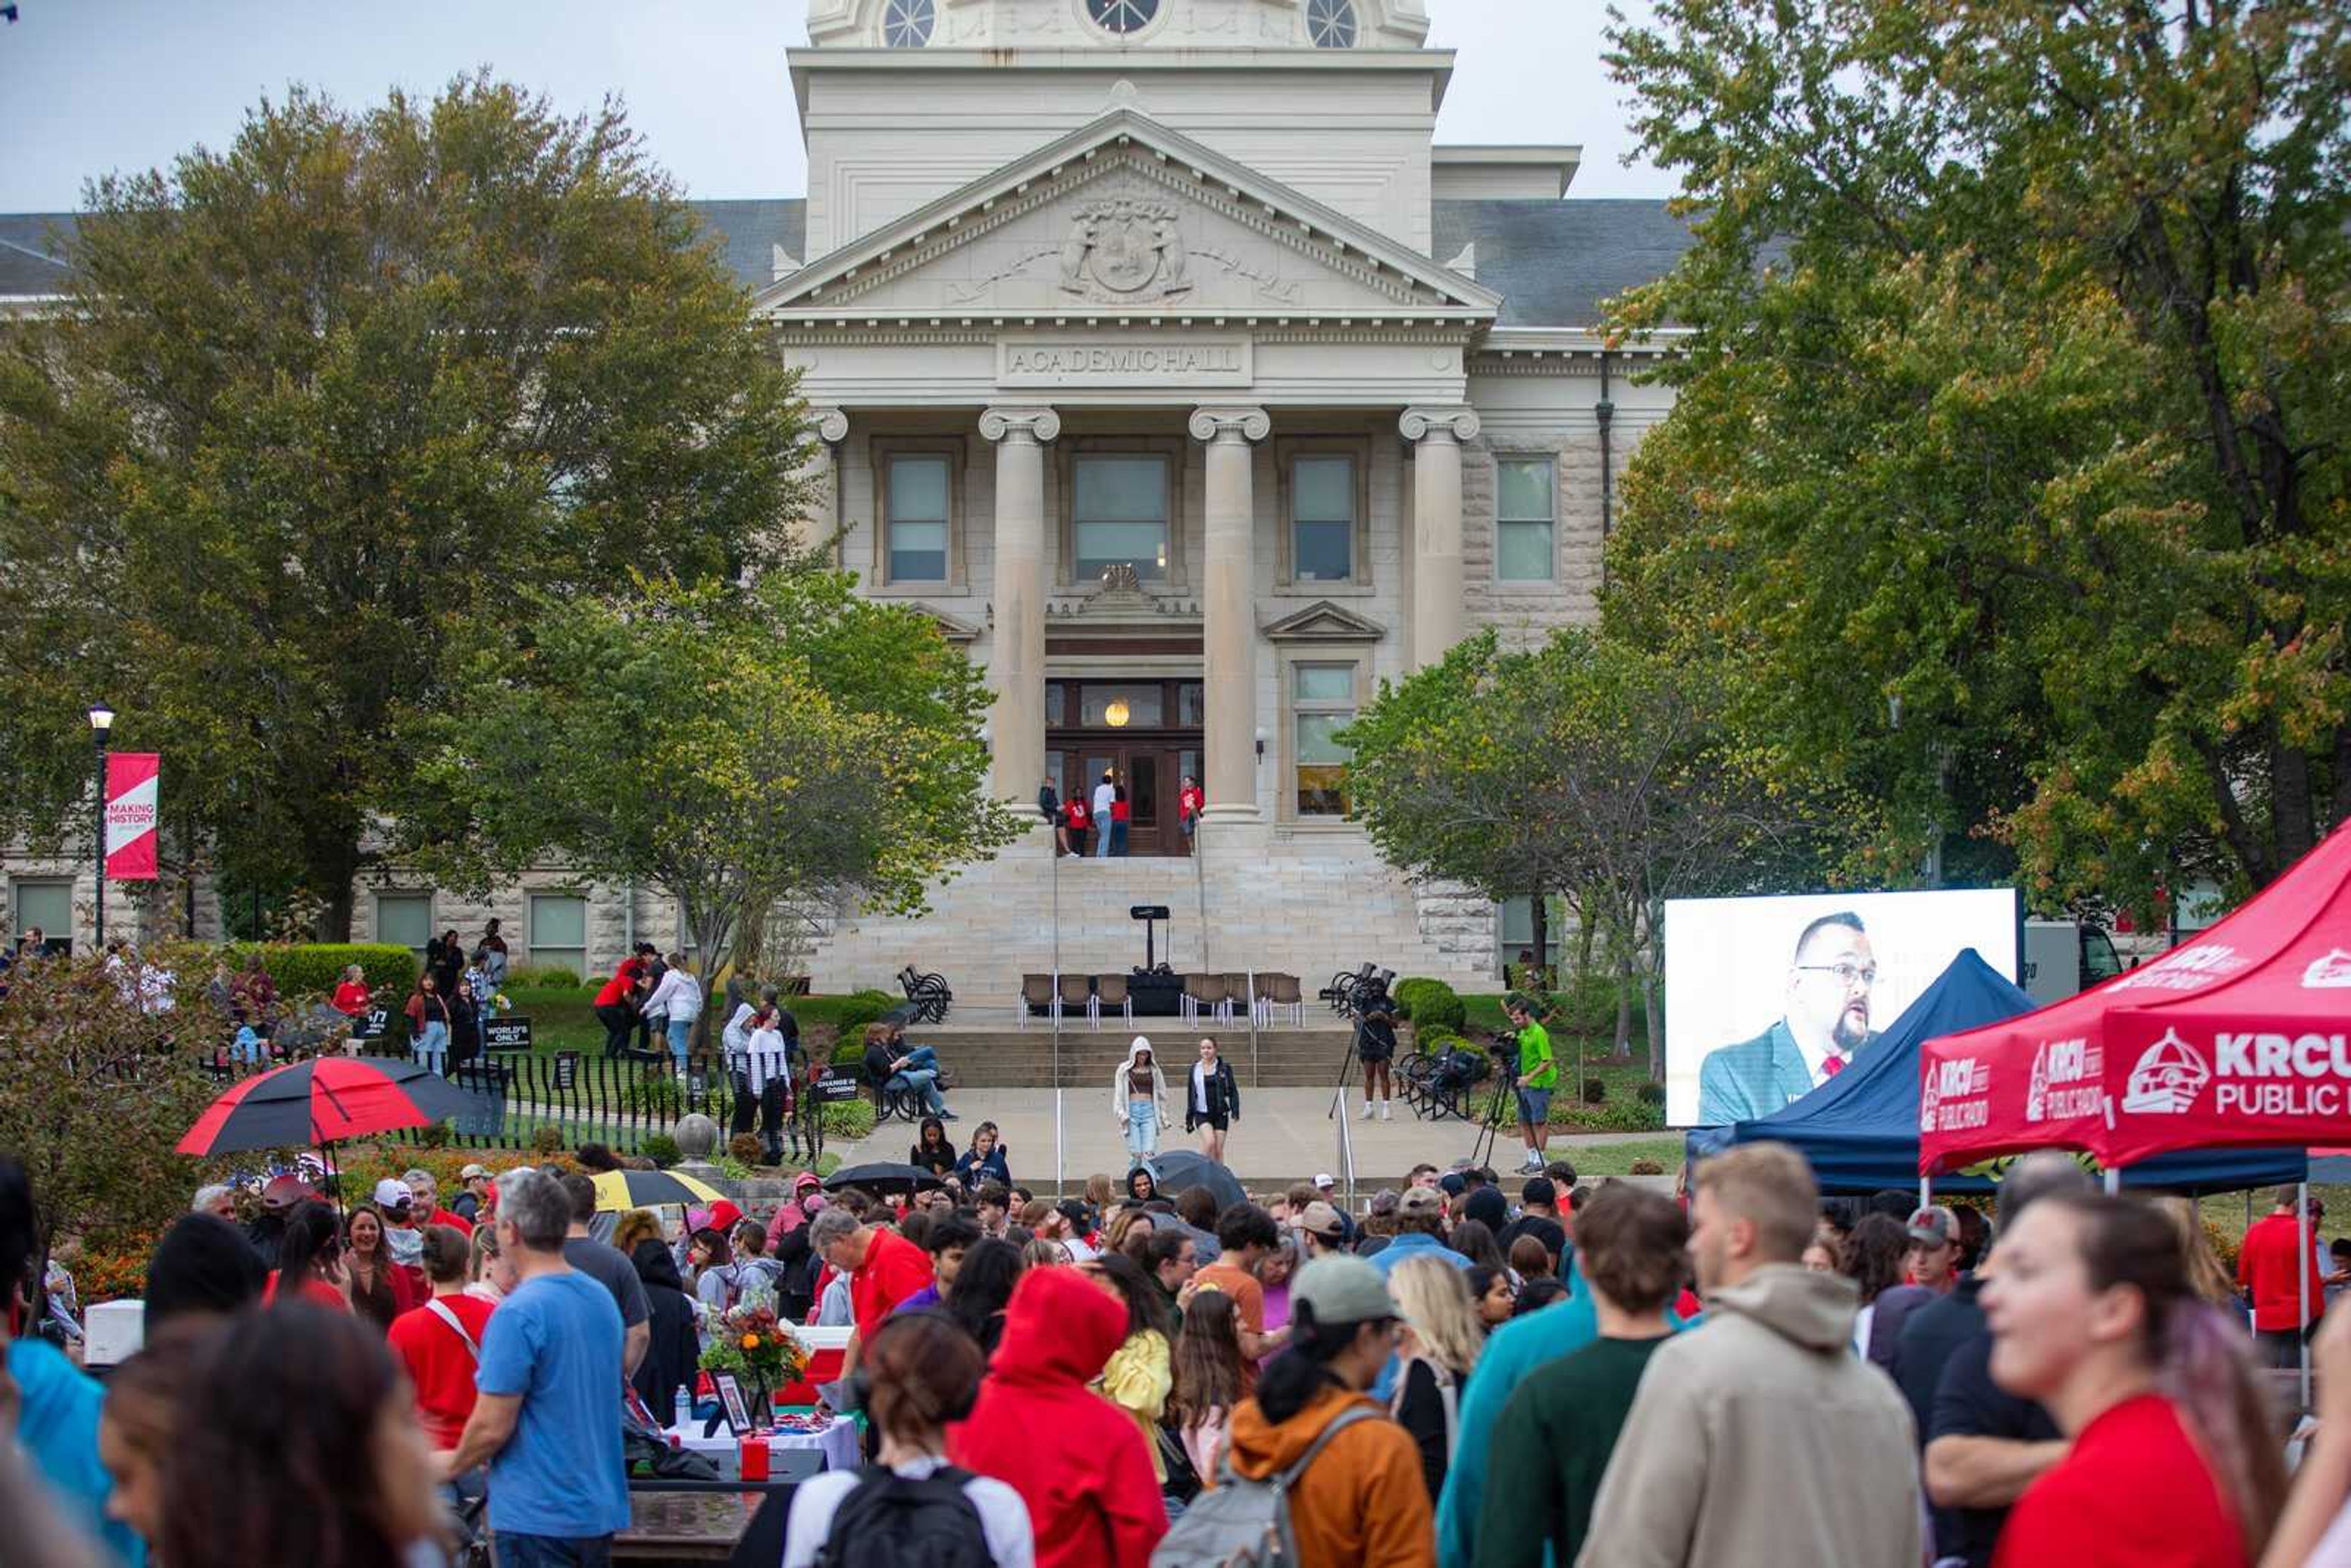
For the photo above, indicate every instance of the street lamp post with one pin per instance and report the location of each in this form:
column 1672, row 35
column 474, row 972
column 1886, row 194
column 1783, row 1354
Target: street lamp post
column 101, row 720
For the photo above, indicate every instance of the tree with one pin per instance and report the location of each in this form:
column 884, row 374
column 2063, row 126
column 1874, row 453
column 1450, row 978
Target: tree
column 319, row 403
column 736, row 746
column 2007, row 473
column 1589, row 767
column 95, row 1091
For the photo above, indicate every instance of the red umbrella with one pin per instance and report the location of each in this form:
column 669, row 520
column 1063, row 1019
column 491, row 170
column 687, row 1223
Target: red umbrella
column 323, row 1101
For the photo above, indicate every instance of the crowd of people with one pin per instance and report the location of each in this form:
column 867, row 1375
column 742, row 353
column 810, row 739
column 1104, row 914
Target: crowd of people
column 1597, row 1373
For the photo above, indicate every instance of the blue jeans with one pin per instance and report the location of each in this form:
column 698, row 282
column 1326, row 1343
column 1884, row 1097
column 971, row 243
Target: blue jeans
column 434, row 1043
column 921, row 1074
column 1102, row 839
column 1118, row 838
column 680, row 1035
column 552, row 1550
column 1142, row 1129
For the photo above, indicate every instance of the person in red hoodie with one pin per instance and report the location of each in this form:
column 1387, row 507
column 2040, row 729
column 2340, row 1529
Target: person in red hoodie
column 1076, row 1459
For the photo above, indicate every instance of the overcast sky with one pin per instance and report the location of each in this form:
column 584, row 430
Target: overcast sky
column 92, row 86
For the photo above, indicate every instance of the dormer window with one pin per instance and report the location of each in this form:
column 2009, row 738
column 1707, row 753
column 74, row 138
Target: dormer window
column 906, row 24
column 1331, row 24
column 1122, row 16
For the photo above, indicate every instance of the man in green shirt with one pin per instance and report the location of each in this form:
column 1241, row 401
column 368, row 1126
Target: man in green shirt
column 1538, row 1075
column 1552, row 1444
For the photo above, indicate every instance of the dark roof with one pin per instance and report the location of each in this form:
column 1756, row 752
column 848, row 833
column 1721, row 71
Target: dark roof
column 751, row 230
column 28, row 260
column 1554, row 262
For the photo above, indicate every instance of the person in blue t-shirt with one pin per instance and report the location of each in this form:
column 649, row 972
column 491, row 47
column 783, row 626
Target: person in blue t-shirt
column 57, row 1405
column 547, row 1422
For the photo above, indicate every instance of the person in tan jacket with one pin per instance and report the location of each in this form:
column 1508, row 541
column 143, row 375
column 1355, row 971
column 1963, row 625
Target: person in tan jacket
column 1362, row 1502
column 1759, row 1437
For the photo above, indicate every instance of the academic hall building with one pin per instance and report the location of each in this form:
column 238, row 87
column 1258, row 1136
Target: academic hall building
column 1158, row 351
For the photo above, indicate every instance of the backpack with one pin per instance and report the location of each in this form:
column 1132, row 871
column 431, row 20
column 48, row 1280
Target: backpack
column 891, row 1520
column 1245, row 1523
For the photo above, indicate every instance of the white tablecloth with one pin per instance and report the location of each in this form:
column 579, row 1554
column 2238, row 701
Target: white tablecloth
column 838, row 1440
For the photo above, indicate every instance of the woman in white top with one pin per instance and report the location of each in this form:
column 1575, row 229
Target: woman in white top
column 677, row 1000
column 1138, row 1093
column 923, row 1372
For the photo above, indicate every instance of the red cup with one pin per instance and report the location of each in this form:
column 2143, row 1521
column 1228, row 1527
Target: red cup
column 753, row 1458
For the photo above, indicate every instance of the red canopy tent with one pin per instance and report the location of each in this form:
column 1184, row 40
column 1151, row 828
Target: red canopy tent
column 2059, row 1077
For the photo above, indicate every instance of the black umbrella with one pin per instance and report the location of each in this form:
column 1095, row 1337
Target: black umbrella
column 884, row 1177
column 1184, row 1169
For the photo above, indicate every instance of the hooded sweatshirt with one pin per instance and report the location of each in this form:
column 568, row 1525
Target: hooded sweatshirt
column 1122, row 1089
column 1077, row 1460
column 676, row 1352
column 1362, row 1501
column 1759, row 1437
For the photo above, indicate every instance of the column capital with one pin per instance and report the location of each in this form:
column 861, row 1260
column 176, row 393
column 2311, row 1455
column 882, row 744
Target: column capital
column 1457, row 424
column 1230, row 424
column 1038, row 424
column 830, row 425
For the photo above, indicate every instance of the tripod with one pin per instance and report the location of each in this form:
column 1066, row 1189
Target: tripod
column 1499, row 1105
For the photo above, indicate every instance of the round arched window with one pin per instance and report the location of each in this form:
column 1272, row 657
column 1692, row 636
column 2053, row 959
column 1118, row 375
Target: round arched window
column 906, row 24
column 1122, row 16
column 1331, row 24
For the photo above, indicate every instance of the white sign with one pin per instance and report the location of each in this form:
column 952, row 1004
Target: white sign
column 1128, row 360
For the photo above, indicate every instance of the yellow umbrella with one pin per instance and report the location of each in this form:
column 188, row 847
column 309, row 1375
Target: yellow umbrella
column 617, row 1192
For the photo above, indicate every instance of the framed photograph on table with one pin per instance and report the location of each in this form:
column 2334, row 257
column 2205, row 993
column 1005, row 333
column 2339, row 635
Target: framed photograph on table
column 730, row 1396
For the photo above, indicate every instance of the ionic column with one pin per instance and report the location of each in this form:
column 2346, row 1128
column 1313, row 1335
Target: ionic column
column 1016, row 672
column 1227, row 609
column 1436, row 434
column 830, row 426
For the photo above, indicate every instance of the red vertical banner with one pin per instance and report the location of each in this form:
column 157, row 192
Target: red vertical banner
column 131, row 808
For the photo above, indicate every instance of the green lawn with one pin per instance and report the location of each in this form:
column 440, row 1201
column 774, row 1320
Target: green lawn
column 1617, row 1159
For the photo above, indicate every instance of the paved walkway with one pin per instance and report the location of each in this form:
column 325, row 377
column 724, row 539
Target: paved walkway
column 1284, row 1134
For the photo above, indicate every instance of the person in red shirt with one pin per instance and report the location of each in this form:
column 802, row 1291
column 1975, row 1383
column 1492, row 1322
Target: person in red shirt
column 2270, row 1268
column 2092, row 1314
column 1188, row 801
column 615, row 1006
column 311, row 1255
column 424, row 1190
column 1078, row 816
column 884, row 1270
column 352, row 996
column 440, row 1343
column 1120, row 814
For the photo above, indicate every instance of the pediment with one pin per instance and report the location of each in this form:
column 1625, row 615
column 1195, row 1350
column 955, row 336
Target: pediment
column 1323, row 622
column 1126, row 219
column 953, row 628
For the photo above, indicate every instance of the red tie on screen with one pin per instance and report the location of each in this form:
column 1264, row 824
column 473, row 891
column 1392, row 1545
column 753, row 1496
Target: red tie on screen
column 1832, row 1066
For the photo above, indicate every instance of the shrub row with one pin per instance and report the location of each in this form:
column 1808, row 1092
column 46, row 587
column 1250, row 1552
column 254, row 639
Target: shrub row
column 1431, row 1005
column 316, row 968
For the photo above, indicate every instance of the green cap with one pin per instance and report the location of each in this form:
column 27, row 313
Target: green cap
column 1343, row 1289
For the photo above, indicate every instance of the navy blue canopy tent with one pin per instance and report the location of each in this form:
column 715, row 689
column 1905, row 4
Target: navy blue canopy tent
column 1860, row 1130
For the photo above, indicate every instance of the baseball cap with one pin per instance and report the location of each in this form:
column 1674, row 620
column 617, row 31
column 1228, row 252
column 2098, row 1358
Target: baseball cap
column 393, row 1193
column 1421, row 1200
column 1324, row 1181
column 1384, row 1201
column 806, row 1180
column 1322, row 1219
column 285, row 1192
column 724, row 1215
column 470, row 1172
column 1343, row 1289
column 1933, row 1227
column 1453, row 1183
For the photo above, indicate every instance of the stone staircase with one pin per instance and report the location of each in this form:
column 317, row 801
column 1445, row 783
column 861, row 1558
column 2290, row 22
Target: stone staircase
column 1308, row 903
column 1029, row 1057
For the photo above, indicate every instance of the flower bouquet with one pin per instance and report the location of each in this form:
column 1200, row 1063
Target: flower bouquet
column 762, row 1351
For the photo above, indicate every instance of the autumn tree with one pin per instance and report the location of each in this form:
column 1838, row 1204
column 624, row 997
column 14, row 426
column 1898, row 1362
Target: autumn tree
column 2007, row 477
column 1586, row 766
column 736, row 746
column 319, row 402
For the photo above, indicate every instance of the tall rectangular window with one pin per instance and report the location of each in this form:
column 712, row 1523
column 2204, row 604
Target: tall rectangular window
column 48, row 904
column 559, row 932
column 1525, row 515
column 1323, row 703
column 404, row 920
column 1118, row 512
column 917, row 500
column 1322, row 519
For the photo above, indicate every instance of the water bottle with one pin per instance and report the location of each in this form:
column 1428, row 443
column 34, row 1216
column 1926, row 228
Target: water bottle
column 684, row 1409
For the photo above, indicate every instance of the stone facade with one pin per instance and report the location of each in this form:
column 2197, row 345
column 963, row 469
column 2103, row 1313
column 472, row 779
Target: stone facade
column 1215, row 237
